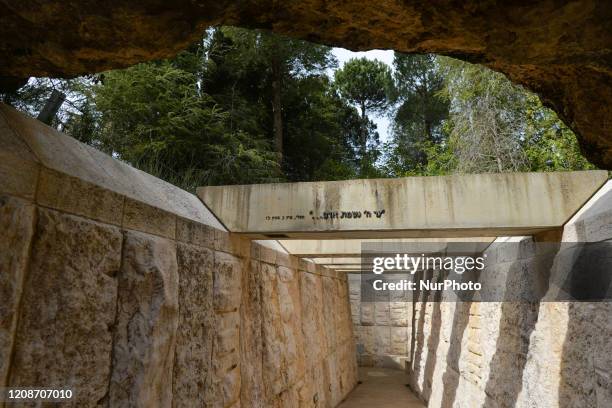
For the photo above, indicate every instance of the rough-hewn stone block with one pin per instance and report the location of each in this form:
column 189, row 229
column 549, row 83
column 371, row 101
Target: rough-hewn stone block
column 400, row 313
column 226, row 360
column 147, row 319
column 251, row 347
column 290, row 312
column 399, row 341
column 192, row 375
column 315, row 344
column 368, row 313
column 274, row 368
column 17, row 219
column 75, row 196
column 139, row 216
column 227, row 282
column 194, row 233
column 321, row 391
column 68, row 307
column 232, row 243
column 382, row 313
column 368, row 340
column 306, row 265
column 382, row 340
column 329, row 309
column 334, row 379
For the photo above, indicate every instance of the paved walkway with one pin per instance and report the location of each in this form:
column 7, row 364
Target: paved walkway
column 382, row 388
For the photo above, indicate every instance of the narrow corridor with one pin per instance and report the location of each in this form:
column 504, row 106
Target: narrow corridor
column 382, row 388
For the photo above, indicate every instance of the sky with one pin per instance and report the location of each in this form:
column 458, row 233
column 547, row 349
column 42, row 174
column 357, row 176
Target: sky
column 386, row 56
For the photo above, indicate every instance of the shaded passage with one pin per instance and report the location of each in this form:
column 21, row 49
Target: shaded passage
column 382, row 388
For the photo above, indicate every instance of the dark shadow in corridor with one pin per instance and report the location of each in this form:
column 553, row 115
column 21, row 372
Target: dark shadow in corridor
column 585, row 380
column 450, row 378
column 461, row 317
column 422, row 298
column 416, row 341
column 434, row 337
column 527, row 281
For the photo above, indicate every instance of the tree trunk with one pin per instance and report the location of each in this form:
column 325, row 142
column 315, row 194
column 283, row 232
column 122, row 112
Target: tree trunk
column 429, row 136
column 51, row 107
column 364, row 137
column 277, row 107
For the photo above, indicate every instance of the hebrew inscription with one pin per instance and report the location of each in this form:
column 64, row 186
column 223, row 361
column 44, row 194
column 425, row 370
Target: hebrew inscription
column 330, row 215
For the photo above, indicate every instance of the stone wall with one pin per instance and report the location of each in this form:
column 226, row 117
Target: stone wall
column 382, row 328
column 127, row 290
column 518, row 354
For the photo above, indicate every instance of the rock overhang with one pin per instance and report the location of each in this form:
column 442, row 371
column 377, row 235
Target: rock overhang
column 561, row 50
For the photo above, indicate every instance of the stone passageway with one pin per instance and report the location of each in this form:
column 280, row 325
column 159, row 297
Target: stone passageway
column 382, row 388
column 86, row 238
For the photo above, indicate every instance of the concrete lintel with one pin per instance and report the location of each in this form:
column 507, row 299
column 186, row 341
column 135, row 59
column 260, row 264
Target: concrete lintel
column 337, row 260
column 326, row 249
column 445, row 206
column 347, row 266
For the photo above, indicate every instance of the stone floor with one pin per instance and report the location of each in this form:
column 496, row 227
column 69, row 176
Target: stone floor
column 382, row 388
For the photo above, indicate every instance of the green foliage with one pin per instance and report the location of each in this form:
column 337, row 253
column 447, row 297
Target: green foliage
column 455, row 117
column 242, row 68
column 419, row 118
column 486, row 119
column 77, row 115
column 419, row 83
column 246, row 106
column 247, row 49
column 32, row 96
column 441, row 159
column 368, row 85
column 156, row 114
column 319, row 127
column 365, row 83
column 496, row 126
column 548, row 143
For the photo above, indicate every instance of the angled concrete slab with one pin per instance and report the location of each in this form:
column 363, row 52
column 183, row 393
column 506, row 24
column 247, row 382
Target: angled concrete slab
column 26, row 143
column 449, row 206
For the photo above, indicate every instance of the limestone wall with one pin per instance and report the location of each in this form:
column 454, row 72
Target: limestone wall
column 382, row 328
column 543, row 354
column 127, row 290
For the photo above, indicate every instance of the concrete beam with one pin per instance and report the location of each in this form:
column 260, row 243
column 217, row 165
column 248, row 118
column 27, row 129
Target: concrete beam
column 449, row 206
column 345, row 266
column 354, row 271
column 337, row 260
column 351, row 248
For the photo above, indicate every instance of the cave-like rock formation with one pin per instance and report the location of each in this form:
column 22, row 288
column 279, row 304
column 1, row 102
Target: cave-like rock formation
column 560, row 49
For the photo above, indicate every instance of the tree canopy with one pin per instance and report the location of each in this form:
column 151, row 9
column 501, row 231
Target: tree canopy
column 366, row 84
column 247, row 106
column 456, row 117
column 420, row 114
